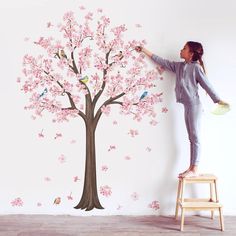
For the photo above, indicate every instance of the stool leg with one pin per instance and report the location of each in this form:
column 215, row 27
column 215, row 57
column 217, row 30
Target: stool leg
column 216, row 193
column 211, row 199
column 182, row 219
column 177, row 199
column 221, row 219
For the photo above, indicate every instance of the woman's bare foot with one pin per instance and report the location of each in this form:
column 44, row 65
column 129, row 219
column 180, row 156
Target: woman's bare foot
column 181, row 174
column 191, row 172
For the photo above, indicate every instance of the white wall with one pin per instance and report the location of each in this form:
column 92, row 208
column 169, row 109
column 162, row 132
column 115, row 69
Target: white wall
column 27, row 160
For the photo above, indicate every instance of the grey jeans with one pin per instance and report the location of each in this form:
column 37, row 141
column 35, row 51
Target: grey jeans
column 192, row 115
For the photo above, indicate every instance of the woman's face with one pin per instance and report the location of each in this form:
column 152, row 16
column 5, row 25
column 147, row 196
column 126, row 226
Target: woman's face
column 185, row 53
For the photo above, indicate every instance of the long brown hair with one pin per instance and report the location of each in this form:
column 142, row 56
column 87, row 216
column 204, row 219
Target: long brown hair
column 197, row 50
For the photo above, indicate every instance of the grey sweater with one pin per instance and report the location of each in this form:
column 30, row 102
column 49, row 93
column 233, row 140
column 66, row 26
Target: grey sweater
column 188, row 76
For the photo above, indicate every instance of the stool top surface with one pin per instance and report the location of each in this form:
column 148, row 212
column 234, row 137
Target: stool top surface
column 201, row 177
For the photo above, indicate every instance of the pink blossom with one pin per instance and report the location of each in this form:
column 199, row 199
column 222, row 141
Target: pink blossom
column 82, row 8
column 17, row 202
column 89, row 16
column 154, row 205
column 105, row 191
column 160, row 69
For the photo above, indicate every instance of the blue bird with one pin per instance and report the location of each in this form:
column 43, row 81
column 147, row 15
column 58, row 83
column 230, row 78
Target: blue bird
column 43, row 93
column 145, row 93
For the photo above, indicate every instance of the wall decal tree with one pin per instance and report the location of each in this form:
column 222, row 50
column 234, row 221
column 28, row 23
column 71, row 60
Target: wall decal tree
column 82, row 73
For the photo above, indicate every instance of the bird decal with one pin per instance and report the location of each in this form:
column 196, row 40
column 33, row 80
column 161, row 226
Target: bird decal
column 63, row 54
column 84, row 79
column 57, row 201
column 43, row 93
column 145, row 93
column 119, row 56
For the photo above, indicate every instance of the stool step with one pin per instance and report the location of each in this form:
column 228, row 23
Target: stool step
column 200, row 205
column 201, row 177
column 197, row 200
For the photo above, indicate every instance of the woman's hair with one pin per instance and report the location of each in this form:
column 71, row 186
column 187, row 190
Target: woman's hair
column 197, row 50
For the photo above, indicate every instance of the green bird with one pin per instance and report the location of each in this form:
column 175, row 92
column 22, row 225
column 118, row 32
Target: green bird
column 84, row 79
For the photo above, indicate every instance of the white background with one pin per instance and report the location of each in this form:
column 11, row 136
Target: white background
column 25, row 160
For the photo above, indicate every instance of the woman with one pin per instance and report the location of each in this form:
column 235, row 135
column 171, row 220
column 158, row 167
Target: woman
column 189, row 74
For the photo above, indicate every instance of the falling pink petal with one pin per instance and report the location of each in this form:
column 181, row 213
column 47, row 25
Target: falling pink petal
column 76, row 178
column 164, row 110
column 62, row 158
column 148, row 149
column 47, row 179
column 41, row 135
column 81, row 7
column 58, row 135
column 39, row 204
column 114, row 122
column 138, row 25
column 49, row 24
column 104, row 168
column 26, row 39
column 154, row 205
column 69, row 197
column 105, row 191
column 18, row 80
column 127, row 158
column 153, row 122
column 134, row 196
column 33, row 117
column 99, row 10
column 17, row 202
column 119, row 207
column 112, row 147
column 160, row 69
column 133, row 133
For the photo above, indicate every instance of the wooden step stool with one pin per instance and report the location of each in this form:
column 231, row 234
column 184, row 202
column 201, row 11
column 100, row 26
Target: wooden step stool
column 197, row 204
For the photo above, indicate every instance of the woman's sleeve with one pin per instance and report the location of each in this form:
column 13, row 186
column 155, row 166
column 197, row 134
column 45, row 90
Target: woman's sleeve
column 169, row 65
column 203, row 81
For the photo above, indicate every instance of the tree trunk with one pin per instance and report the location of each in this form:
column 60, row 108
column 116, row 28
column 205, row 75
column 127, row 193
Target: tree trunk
column 89, row 199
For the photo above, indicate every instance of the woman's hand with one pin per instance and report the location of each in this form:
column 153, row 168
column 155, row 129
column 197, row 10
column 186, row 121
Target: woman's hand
column 144, row 50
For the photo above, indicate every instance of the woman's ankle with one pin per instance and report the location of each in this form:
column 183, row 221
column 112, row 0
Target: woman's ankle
column 194, row 168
